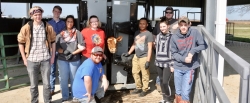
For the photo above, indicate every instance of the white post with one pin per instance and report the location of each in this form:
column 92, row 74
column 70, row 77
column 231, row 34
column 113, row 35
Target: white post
column 210, row 16
column 27, row 10
column 220, row 34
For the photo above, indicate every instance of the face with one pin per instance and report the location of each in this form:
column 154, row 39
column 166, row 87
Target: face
column 169, row 14
column 56, row 13
column 94, row 22
column 183, row 27
column 37, row 17
column 143, row 25
column 97, row 57
column 69, row 23
column 164, row 27
column 112, row 43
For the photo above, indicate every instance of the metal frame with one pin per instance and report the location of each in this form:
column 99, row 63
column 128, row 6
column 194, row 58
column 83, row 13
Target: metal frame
column 208, row 83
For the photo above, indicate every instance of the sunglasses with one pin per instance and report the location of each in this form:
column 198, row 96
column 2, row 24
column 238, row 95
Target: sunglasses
column 169, row 12
column 100, row 55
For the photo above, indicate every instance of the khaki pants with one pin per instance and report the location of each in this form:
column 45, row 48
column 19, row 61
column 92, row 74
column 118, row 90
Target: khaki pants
column 138, row 65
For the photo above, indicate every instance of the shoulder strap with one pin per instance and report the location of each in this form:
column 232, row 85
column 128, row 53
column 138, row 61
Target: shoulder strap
column 44, row 24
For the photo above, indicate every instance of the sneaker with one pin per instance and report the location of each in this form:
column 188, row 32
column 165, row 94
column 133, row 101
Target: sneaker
column 66, row 101
column 142, row 94
column 136, row 91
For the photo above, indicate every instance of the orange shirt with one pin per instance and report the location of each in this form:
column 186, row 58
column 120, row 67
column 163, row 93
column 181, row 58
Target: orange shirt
column 92, row 38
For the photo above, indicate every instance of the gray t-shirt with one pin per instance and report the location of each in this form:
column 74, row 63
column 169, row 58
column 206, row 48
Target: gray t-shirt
column 141, row 43
column 70, row 46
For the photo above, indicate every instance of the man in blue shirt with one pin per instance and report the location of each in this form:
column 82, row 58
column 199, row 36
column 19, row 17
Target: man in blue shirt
column 58, row 25
column 90, row 78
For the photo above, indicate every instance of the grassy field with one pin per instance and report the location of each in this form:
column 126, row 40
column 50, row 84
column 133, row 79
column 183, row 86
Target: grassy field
column 241, row 31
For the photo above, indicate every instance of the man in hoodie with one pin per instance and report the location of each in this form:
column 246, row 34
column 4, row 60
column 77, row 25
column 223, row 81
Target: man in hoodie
column 185, row 46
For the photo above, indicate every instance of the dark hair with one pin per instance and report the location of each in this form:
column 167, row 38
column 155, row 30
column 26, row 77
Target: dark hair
column 70, row 16
column 164, row 20
column 144, row 19
column 94, row 16
column 169, row 8
column 57, row 7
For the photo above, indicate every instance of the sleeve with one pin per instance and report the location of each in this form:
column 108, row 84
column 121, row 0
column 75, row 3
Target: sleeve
column 87, row 70
column 52, row 34
column 174, row 51
column 58, row 42
column 150, row 37
column 21, row 36
column 199, row 42
column 157, row 26
column 80, row 39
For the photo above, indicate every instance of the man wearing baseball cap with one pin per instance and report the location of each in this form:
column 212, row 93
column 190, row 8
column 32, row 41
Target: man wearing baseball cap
column 169, row 13
column 186, row 44
column 90, row 79
column 36, row 42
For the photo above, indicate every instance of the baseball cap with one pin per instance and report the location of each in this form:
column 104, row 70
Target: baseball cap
column 183, row 18
column 169, row 8
column 97, row 49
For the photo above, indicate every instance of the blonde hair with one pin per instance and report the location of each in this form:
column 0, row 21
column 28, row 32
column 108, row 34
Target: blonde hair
column 35, row 8
column 99, row 22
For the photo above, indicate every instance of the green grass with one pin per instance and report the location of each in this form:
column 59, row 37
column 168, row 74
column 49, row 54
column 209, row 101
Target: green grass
column 241, row 31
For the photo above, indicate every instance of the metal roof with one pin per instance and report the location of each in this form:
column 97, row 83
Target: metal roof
column 181, row 3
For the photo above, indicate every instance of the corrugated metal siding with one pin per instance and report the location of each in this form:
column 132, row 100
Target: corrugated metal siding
column 181, row 3
column 237, row 2
column 44, row 1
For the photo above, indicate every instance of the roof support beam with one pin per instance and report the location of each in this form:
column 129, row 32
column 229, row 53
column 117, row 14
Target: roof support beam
column 0, row 9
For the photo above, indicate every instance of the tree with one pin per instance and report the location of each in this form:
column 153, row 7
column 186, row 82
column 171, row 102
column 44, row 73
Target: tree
column 241, row 9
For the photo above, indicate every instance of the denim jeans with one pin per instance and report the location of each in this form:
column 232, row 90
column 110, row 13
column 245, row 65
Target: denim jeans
column 183, row 80
column 33, row 69
column 67, row 70
column 53, row 74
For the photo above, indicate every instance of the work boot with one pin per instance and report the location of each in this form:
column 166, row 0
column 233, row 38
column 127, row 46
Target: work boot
column 142, row 94
column 136, row 91
column 184, row 101
column 177, row 98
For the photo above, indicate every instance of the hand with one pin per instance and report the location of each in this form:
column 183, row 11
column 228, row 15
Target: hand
column 188, row 60
column 190, row 55
column 171, row 69
column 89, row 97
column 69, row 56
column 52, row 59
column 105, row 84
column 60, row 50
column 125, row 54
column 147, row 65
column 25, row 62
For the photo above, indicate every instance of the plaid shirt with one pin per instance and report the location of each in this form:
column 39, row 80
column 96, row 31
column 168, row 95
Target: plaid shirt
column 39, row 52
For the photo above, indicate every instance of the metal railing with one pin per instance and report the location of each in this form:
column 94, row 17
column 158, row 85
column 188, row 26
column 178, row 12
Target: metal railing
column 5, row 68
column 209, row 87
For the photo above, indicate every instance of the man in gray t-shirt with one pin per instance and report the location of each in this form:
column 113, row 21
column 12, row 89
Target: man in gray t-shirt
column 143, row 49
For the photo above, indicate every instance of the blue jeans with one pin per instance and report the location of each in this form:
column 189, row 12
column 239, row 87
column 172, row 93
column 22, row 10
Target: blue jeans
column 67, row 70
column 183, row 80
column 33, row 69
column 53, row 74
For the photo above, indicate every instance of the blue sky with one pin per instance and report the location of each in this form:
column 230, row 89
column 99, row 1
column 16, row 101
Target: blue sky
column 70, row 9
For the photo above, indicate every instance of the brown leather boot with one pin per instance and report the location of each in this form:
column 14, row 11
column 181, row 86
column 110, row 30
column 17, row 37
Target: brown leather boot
column 183, row 101
column 177, row 98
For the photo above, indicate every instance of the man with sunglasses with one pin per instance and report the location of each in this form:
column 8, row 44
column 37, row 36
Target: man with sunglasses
column 90, row 79
column 169, row 13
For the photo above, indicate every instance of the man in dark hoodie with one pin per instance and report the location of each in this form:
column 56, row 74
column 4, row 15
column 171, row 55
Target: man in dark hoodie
column 185, row 46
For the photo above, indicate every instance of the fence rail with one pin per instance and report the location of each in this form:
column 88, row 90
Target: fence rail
column 209, row 87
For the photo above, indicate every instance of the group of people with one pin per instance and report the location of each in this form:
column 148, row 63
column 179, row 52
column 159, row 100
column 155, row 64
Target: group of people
column 176, row 45
column 78, row 55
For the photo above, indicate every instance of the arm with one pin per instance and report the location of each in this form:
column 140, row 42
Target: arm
column 174, row 52
column 21, row 48
column 105, row 82
column 80, row 45
column 131, row 49
column 200, row 42
column 88, row 84
column 149, row 51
